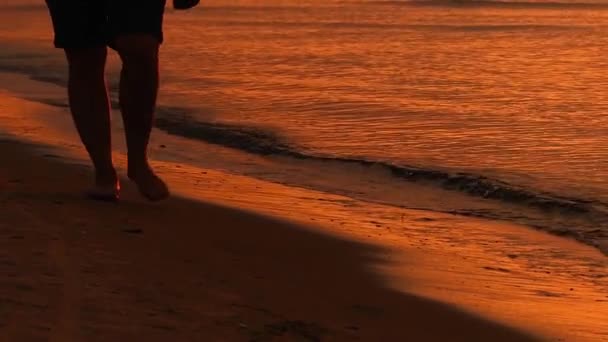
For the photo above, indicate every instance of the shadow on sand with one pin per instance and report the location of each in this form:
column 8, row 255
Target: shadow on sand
column 189, row 271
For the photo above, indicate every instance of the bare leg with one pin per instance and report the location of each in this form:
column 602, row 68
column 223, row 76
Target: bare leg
column 90, row 107
column 138, row 91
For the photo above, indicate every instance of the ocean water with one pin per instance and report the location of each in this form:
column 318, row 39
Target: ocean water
column 493, row 109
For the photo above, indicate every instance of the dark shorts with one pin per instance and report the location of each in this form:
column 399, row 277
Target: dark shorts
column 86, row 23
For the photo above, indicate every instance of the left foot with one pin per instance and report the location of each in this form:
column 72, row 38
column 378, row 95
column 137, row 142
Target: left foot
column 148, row 183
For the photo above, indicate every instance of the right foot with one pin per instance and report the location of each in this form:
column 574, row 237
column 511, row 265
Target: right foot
column 107, row 187
column 148, row 183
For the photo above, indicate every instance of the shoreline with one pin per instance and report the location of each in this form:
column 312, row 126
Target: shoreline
column 501, row 272
column 365, row 183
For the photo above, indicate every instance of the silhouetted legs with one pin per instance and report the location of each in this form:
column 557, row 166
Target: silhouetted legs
column 90, row 107
column 91, row 111
column 138, row 92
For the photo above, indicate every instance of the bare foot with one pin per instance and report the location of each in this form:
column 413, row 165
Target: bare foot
column 148, row 183
column 107, row 187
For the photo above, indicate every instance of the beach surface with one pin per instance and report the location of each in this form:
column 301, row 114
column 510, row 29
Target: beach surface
column 233, row 258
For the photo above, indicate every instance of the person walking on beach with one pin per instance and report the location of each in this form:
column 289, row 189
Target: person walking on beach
column 84, row 30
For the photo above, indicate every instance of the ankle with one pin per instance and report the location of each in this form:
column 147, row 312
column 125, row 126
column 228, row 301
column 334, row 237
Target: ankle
column 137, row 163
column 106, row 177
column 105, row 171
column 139, row 169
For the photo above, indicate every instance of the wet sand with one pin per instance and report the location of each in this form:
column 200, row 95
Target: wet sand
column 232, row 258
column 76, row 270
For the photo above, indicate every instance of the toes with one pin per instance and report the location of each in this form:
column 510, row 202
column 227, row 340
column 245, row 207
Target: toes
column 104, row 194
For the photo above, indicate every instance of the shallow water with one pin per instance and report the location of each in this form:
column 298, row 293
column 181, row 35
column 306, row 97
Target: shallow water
column 504, row 101
column 513, row 92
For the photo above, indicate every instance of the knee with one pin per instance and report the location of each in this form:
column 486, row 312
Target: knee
column 137, row 50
